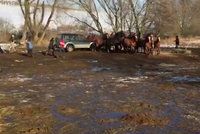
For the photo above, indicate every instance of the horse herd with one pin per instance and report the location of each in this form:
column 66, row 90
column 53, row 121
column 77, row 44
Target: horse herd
column 123, row 42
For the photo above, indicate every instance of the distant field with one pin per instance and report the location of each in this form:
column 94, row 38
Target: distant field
column 192, row 42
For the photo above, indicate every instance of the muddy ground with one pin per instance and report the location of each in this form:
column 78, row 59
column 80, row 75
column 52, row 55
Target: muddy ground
column 85, row 92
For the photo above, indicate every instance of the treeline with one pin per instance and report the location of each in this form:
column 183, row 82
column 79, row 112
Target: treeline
column 177, row 17
column 165, row 17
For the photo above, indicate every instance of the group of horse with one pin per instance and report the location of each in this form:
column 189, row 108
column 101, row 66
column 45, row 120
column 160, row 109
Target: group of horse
column 126, row 42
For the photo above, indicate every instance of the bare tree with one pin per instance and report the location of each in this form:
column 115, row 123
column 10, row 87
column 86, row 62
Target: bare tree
column 139, row 20
column 194, row 29
column 187, row 13
column 33, row 24
column 183, row 12
column 6, row 28
column 90, row 7
column 142, row 16
column 112, row 12
column 162, row 17
column 115, row 11
column 174, row 16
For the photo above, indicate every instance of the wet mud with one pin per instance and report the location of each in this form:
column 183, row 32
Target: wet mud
column 98, row 93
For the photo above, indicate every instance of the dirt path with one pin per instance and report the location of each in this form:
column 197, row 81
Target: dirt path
column 87, row 93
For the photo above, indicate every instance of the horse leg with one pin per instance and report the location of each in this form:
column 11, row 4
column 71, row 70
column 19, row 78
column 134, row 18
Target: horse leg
column 134, row 49
column 152, row 51
column 98, row 47
column 107, row 49
column 93, row 47
column 147, row 50
column 118, row 47
column 126, row 49
column 130, row 49
column 137, row 48
column 143, row 46
column 143, row 49
column 158, row 52
column 122, row 48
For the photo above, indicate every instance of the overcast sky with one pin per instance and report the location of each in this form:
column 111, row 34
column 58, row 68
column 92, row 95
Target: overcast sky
column 14, row 16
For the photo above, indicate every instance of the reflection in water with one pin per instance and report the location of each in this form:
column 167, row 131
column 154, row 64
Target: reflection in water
column 185, row 79
column 100, row 69
column 113, row 115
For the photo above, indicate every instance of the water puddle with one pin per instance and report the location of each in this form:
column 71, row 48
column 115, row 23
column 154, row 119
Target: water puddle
column 76, row 72
column 188, row 68
column 174, row 114
column 100, row 69
column 9, row 119
column 156, row 73
column 110, row 120
column 106, row 121
column 185, row 79
column 63, row 118
column 112, row 115
column 167, row 65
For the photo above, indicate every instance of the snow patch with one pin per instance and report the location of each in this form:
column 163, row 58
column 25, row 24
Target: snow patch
column 131, row 79
column 19, row 78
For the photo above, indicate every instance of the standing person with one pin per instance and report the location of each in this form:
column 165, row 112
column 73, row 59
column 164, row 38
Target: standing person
column 177, row 41
column 62, row 45
column 51, row 47
column 29, row 47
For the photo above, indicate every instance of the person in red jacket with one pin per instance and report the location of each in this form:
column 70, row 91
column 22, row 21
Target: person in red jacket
column 62, row 44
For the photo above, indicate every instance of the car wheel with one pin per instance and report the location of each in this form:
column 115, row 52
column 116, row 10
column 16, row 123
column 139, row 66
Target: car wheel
column 70, row 48
column 93, row 47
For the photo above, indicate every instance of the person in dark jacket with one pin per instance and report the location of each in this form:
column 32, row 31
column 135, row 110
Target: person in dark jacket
column 51, row 47
column 177, row 41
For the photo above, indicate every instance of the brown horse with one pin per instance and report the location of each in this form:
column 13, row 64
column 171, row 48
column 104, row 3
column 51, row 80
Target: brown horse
column 149, row 43
column 98, row 40
column 129, row 43
column 123, row 41
column 140, row 45
column 115, row 40
column 157, row 45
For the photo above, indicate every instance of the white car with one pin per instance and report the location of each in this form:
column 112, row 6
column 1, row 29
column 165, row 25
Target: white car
column 70, row 42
